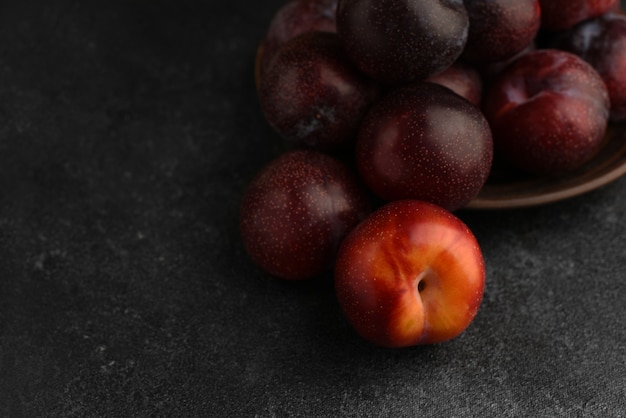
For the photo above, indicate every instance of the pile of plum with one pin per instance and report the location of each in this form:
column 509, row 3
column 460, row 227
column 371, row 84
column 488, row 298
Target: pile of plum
column 395, row 111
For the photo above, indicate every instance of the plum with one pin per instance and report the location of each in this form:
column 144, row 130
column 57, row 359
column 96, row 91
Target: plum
column 548, row 112
column 601, row 42
column 500, row 29
column 292, row 19
column 296, row 212
column 313, row 95
column 396, row 41
column 423, row 141
column 411, row 273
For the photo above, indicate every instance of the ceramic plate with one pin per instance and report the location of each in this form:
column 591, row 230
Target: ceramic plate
column 507, row 188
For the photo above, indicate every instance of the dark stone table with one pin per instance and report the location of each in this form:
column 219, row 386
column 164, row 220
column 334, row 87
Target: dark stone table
column 129, row 129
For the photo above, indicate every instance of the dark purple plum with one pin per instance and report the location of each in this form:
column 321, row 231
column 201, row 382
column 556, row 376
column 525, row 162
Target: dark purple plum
column 313, row 95
column 297, row 211
column 548, row 112
column 423, row 141
column 396, row 41
column 602, row 43
column 500, row 29
column 292, row 19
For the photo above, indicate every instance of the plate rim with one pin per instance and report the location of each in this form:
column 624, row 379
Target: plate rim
column 608, row 165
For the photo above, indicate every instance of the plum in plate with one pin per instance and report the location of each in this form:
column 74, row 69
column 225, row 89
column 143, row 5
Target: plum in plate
column 500, row 29
column 290, row 20
column 559, row 15
column 313, row 95
column 548, row 112
column 601, row 42
column 395, row 41
column 423, row 141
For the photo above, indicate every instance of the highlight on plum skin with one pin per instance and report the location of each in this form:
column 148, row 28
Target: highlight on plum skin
column 296, row 211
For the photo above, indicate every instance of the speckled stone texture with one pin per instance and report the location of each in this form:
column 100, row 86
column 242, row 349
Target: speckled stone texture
column 128, row 132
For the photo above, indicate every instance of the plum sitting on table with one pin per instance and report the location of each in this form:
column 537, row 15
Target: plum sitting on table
column 296, row 212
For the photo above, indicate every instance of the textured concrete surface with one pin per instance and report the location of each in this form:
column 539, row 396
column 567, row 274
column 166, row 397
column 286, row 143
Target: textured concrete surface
column 128, row 130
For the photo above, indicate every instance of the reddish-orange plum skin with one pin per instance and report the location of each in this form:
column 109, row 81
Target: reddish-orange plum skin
column 410, row 274
column 297, row 210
